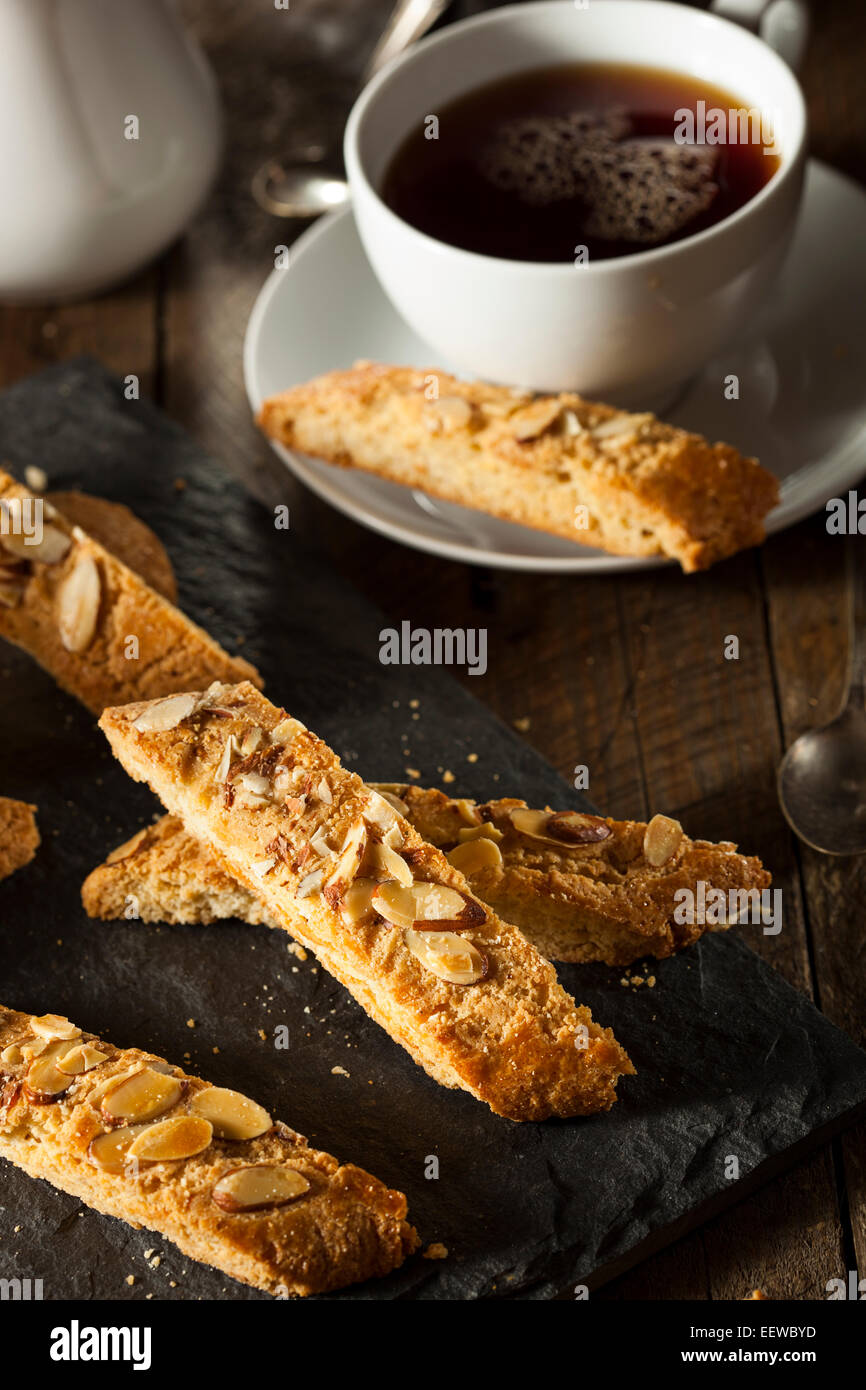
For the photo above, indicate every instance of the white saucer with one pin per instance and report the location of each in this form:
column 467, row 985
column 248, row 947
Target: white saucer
column 801, row 371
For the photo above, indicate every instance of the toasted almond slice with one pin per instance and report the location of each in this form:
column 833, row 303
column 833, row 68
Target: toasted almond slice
column 225, row 764
column 258, row 1186
column 254, row 782
column 451, row 412
column 324, row 793
column 536, row 420
column 469, row 812
column 620, row 425
column 357, row 904
column 385, row 863
column 393, row 837
column 33, row 1049
column 447, row 955
column 167, row 714
column 389, row 791
column 381, row 811
column 474, row 855
column 109, row 1151
column 560, row 828
column 486, row 831
column 78, row 599
column 261, row 867
column 11, row 1055
column 232, row 1115
column 83, row 1057
column 424, row 902
column 48, row 549
column 45, row 1082
column 141, row 1096
column 54, row 1026
column 252, row 740
column 287, row 730
column 350, row 857
column 661, row 840
column 311, row 883
column 183, row 1136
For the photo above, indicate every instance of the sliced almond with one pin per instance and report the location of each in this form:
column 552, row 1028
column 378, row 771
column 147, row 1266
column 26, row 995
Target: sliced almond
column 45, row 1081
column 287, row 730
column 11, row 1055
column 386, row 863
column 166, row 714
column 142, row 1096
column 261, row 867
column 451, row 413
column 447, row 955
column 661, row 840
column 562, row 827
column 324, row 793
column 183, row 1136
column 393, row 837
column 357, row 904
column 32, row 1049
column 350, row 857
column 389, row 791
column 311, row 883
column 536, row 420
column 620, row 425
column 225, row 763
column 469, row 812
column 570, row 422
column 255, row 783
column 54, row 1026
column 485, row 831
column 51, row 545
column 78, row 598
column 474, row 855
column 232, row 1115
column 109, row 1151
column 83, row 1057
column 425, row 902
column 381, row 810
column 252, row 740
column 258, row 1186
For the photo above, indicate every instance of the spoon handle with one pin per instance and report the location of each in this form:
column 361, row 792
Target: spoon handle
column 857, row 626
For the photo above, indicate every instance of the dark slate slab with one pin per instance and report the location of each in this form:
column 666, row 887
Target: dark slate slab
column 731, row 1060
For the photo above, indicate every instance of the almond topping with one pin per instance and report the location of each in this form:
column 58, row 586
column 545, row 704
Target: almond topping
column 562, row 827
column 468, row 811
column 425, row 902
column 11, row 1055
column 252, row 739
column 261, row 867
column 620, row 424
column 288, row 729
column 486, row 831
column 166, row 714
column 661, row 840
column 183, row 1136
column 84, row 1057
column 381, row 810
column 474, row 855
column 232, row 1115
column 536, row 420
column 384, row 862
column 78, row 598
column 351, row 854
column 312, row 883
column 54, row 1026
column 447, row 955
column 109, row 1151
column 51, row 545
column 44, row 1081
column 357, row 904
column 389, row 792
column 451, row 412
column 259, row 1186
column 225, row 765
column 142, row 1096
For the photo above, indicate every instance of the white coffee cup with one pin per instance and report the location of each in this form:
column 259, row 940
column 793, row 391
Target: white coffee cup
column 627, row 329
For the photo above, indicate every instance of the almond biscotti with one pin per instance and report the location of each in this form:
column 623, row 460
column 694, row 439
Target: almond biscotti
column 206, row 1167
column 93, row 624
column 626, row 483
column 337, row 866
column 581, row 888
column 19, row 836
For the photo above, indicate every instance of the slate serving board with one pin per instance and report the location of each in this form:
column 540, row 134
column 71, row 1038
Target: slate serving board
column 730, row 1059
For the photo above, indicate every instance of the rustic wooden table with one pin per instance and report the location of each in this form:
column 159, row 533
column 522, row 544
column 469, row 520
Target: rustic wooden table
column 627, row 673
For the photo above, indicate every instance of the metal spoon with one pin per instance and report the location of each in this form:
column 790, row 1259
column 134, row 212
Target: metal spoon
column 822, row 777
column 307, row 188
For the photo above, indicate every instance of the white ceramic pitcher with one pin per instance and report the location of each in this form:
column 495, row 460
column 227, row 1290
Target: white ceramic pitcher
column 110, row 136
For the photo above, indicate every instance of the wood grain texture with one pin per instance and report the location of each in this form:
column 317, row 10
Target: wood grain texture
column 626, row 674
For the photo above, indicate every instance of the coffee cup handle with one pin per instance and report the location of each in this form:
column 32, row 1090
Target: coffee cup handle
column 783, row 24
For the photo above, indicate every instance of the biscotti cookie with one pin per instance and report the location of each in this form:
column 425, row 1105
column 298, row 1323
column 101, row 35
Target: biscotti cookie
column 96, row 627
column 626, row 483
column 206, row 1167
column 163, row 874
column 582, row 887
column 334, row 864
column 19, row 837
column 123, row 533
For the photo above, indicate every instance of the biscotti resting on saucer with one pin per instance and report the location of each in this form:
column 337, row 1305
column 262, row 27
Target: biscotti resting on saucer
column 625, row 482
column 340, row 869
column 206, row 1167
column 94, row 625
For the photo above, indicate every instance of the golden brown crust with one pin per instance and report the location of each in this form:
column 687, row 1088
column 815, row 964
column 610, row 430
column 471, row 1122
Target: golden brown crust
column 124, row 534
column 346, row 1227
column 629, row 484
column 162, row 874
column 513, row 1039
column 141, row 645
column 19, row 837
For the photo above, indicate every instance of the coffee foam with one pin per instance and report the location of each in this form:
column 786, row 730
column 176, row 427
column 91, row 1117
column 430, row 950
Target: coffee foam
column 632, row 189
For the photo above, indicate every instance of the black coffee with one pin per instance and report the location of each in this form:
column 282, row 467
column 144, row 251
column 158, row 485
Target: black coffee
column 581, row 162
